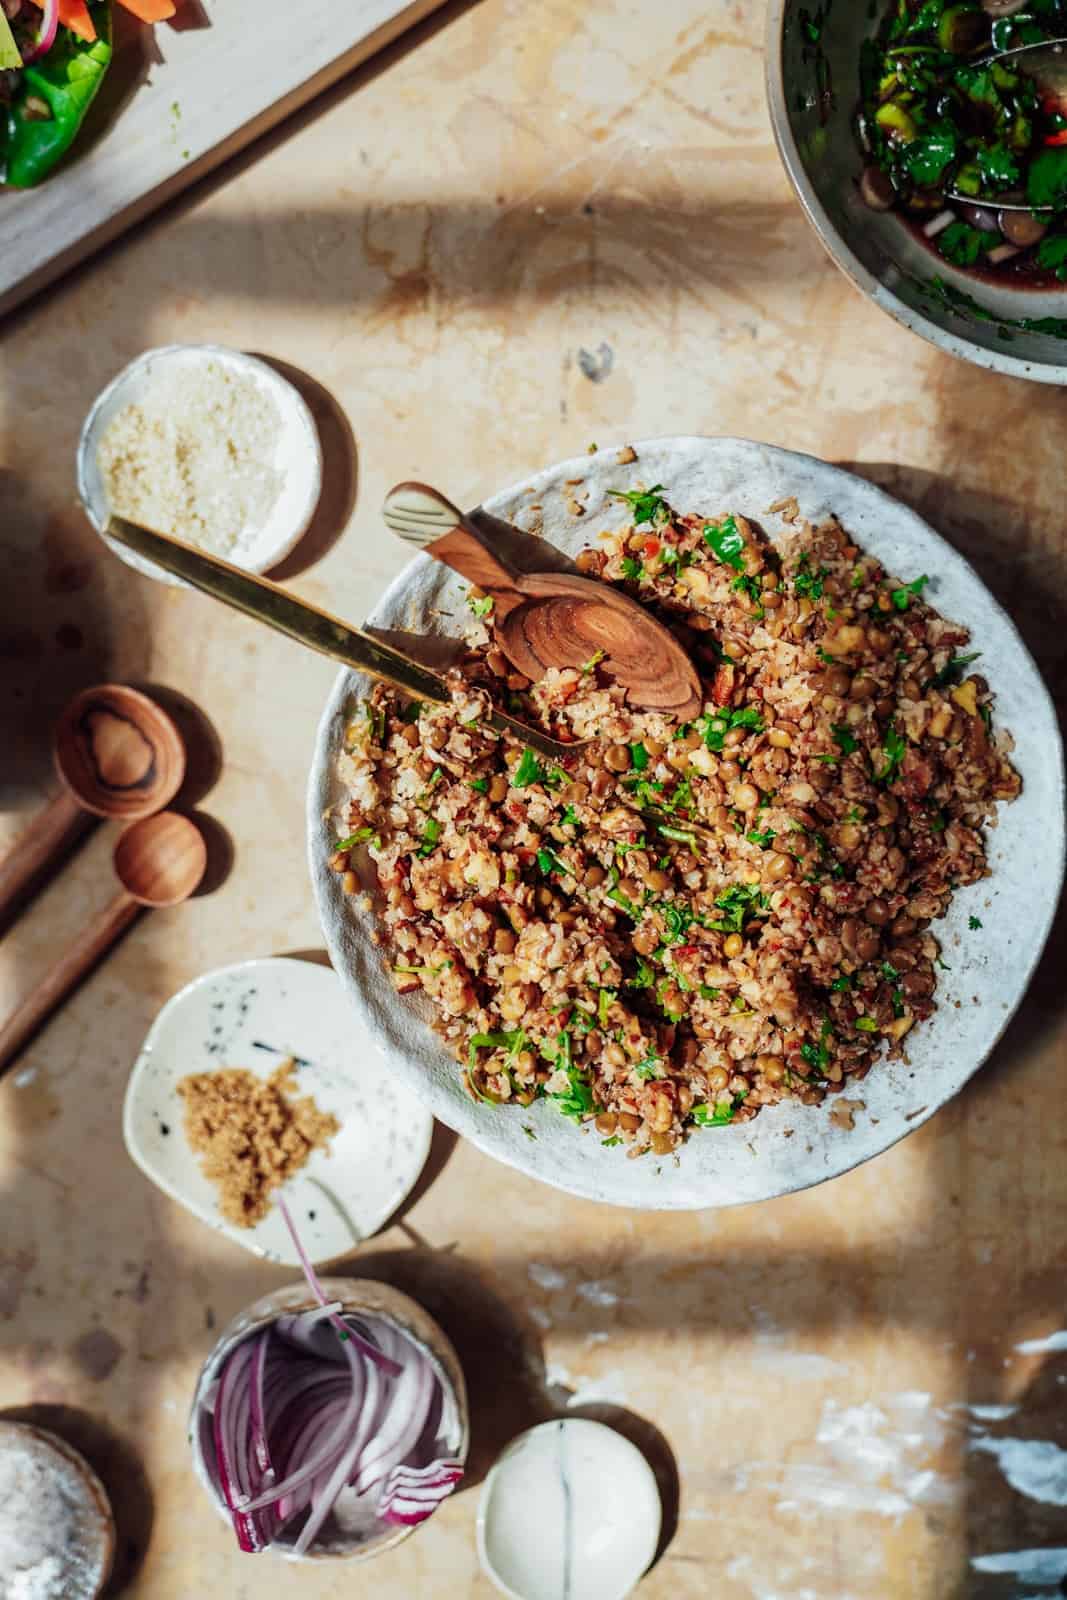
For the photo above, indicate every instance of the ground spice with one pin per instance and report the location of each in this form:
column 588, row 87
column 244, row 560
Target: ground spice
column 251, row 1135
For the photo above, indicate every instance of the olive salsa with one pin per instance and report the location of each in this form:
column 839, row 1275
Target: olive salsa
column 956, row 133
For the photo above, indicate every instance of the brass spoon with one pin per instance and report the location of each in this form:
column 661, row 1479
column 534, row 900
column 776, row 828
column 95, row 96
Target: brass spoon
column 267, row 602
column 117, row 754
column 159, row 861
column 552, row 619
column 1046, row 62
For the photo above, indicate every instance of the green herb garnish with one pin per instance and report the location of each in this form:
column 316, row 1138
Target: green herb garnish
column 647, row 505
column 430, row 835
column 726, row 541
column 974, row 923
column 482, row 607
column 529, row 770
column 901, row 597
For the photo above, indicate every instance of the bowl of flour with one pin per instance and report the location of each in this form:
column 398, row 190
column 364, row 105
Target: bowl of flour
column 57, row 1534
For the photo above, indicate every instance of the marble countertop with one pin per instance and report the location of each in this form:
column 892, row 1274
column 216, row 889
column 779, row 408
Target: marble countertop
column 520, row 231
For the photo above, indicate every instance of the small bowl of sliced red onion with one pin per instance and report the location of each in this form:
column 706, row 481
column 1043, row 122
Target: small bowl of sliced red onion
column 330, row 1424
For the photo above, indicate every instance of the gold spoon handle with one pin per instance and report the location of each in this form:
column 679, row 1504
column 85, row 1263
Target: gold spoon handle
column 318, row 630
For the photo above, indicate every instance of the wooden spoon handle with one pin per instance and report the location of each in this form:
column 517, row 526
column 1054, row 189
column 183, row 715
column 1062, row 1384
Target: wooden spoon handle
column 69, row 970
column 421, row 516
column 51, row 834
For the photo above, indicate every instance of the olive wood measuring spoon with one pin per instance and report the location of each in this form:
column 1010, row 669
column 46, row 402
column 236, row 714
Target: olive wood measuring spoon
column 117, row 754
column 159, row 861
column 318, row 630
column 552, row 619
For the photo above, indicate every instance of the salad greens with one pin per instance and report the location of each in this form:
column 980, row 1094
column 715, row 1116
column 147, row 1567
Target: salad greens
column 965, row 140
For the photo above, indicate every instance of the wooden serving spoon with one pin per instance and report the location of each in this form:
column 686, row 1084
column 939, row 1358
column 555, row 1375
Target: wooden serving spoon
column 159, row 861
column 318, row 630
column 117, row 755
column 551, row 619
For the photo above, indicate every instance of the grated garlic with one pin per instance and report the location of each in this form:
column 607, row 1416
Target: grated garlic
column 192, row 458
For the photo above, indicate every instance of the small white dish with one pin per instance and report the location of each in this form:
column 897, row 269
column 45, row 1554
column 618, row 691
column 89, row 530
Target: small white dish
column 596, row 1515
column 297, row 455
column 225, row 1019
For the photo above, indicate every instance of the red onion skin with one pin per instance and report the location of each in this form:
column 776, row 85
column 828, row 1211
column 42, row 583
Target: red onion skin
column 46, row 36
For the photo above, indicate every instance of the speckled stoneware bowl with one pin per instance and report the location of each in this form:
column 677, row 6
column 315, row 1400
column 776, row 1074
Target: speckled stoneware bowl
column 788, row 1146
column 875, row 250
column 364, row 1298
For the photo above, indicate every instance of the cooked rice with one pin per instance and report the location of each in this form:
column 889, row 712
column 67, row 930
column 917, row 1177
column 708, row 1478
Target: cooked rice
column 742, row 915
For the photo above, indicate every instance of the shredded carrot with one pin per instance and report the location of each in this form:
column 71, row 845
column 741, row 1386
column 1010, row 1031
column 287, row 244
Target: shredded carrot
column 74, row 14
column 151, row 10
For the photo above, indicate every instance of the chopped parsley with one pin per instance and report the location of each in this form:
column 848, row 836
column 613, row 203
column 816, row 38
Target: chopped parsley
column 951, row 670
column 714, row 728
column 570, row 818
column 550, row 862
column 901, row 597
column 615, row 893
column 638, row 757
column 412, row 711
column 609, row 1144
column 726, row 541
column 808, row 584
column 594, row 660
column 482, row 607
column 739, row 901
column 529, row 770
column 480, row 785
column 717, row 1116
column 649, row 1067
column 816, row 1055
column 893, row 749
column 647, row 505
column 678, row 919
column 974, row 923
column 762, row 837
column 430, row 835
column 866, row 1024
column 360, row 835
column 632, row 569
column 376, row 718
column 841, row 984
column 604, row 1002
column 888, row 970
column 643, row 978
column 845, row 741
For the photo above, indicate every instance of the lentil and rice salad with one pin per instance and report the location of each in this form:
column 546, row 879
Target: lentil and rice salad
column 683, row 924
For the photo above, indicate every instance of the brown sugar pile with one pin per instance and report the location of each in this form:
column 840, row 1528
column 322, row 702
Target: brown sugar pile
column 251, row 1135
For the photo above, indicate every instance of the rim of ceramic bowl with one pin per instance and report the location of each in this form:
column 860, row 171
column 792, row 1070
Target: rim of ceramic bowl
column 273, row 378
column 368, row 1297
column 864, row 506
column 840, row 253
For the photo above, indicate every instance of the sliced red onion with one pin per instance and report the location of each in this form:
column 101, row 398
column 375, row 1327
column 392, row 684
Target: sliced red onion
column 46, row 33
column 1003, row 252
column 411, row 1494
column 370, row 1350
column 938, row 224
column 297, row 1417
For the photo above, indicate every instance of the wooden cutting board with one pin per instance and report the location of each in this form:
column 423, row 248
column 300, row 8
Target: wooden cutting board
column 176, row 102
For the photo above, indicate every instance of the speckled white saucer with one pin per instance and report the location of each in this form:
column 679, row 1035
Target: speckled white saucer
column 297, row 452
column 788, row 1146
column 571, row 1511
column 296, row 1008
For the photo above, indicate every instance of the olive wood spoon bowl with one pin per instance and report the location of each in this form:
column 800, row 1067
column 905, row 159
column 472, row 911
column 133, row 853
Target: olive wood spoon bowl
column 159, row 861
column 552, row 619
column 318, row 630
column 117, row 754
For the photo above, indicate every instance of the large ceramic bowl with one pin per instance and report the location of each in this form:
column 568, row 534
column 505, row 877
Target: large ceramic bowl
column 812, row 90
column 788, row 1146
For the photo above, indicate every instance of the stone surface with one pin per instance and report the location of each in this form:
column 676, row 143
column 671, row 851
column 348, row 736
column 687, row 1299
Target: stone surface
column 518, row 233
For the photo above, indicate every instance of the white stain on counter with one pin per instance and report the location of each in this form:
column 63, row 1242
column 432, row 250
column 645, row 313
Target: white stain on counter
column 1033, row 1467
column 872, row 1458
column 547, row 1278
column 598, row 1294
column 1044, row 1347
column 1042, row 1569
